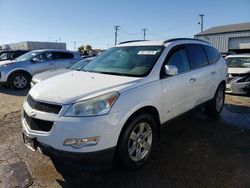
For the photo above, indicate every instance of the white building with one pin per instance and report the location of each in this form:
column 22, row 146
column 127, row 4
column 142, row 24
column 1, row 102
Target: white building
column 32, row 45
column 227, row 38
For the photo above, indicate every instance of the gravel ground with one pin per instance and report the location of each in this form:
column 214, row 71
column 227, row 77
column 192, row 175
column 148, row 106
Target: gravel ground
column 193, row 151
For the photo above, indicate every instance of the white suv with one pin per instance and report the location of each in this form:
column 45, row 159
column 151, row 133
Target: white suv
column 116, row 104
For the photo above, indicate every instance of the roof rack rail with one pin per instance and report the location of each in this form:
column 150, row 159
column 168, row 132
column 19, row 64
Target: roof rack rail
column 176, row 39
column 132, row 41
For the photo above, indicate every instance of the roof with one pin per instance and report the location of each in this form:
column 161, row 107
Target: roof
column 226, row 29
column 142, row 43
column 156, row 43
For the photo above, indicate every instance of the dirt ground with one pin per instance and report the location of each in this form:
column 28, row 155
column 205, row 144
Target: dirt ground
column 193, row 151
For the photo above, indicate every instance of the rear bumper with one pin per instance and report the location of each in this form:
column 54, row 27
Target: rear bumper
column 97, row 157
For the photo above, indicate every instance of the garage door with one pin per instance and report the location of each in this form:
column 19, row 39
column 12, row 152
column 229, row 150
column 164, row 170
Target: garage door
column 239, row 43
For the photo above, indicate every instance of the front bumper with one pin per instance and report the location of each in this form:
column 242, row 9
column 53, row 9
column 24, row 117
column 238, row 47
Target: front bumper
column 106, row 127
column 238, row 87
column 98, row 157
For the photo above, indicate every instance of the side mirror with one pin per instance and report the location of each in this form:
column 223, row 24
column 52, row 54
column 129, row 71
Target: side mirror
column 171, row 70
column 35, row 59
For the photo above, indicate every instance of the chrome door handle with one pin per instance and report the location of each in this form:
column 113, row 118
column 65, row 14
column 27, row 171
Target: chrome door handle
column 192, row 80
column 213, row 73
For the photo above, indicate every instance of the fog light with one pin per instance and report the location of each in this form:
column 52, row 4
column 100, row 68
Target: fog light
column 81, row 142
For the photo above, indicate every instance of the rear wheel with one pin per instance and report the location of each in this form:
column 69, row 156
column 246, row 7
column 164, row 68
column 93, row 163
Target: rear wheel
column 137, row 141
column 216, row 106
column 19, row 81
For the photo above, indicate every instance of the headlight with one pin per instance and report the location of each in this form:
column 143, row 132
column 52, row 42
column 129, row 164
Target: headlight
column 100, row 105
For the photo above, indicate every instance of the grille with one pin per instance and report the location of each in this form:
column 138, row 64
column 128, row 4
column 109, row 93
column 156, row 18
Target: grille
column 44, row 107
column 37, row 124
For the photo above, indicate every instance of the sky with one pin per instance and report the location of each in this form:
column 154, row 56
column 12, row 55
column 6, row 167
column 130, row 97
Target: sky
column 92, row 22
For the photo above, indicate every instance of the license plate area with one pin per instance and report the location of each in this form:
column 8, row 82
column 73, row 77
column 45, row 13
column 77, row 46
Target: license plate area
column 30, row 142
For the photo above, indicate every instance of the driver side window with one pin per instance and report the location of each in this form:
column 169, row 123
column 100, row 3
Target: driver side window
column 179, row 58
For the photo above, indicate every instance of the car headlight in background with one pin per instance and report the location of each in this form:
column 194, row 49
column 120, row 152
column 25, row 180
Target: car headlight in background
column 100, row 105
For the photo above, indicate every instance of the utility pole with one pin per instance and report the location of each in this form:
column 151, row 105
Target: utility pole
column 117, row 27
column 74, row 45
column 144, row 33
column 201, row 22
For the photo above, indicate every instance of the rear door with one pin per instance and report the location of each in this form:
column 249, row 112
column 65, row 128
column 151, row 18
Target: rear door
column 201, row 74
column 63, row 59
column 176, row 89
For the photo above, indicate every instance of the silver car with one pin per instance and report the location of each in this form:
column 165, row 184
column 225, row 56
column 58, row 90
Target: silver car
column 18, row 73
column 238, row 79
column 51, row 73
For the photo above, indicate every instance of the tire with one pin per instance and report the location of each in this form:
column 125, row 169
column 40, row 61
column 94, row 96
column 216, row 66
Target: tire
column 217, row 103
column 19, row 81
column 137, row 141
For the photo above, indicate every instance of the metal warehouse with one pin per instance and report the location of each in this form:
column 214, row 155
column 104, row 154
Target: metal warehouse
column 33, row 45
column 227, row 38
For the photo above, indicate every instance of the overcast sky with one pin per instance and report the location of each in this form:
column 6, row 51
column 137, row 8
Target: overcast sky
column 92, row 22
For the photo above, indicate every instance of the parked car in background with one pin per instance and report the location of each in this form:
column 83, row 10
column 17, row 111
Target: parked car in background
column 115, row 105
column 18, row 73
column 54, row 72
column 11, row 54
column 238, row 79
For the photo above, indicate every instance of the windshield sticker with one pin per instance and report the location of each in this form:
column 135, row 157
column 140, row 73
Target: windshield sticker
column 147, row 52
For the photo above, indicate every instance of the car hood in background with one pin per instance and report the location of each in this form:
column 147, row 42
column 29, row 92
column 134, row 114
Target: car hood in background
column 73, row 86
column 232, row 70
column 48, row 74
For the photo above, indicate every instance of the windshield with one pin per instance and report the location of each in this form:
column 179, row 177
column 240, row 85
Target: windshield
column 3, row 56
column 134, row 61
column 79, row 65
column 27, row 56
column 238, row 62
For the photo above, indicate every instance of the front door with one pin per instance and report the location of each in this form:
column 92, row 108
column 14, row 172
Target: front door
column 176, row 89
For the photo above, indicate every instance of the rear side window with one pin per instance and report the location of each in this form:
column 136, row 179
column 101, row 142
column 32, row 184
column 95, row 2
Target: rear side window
column 62, row 55
column 212, row 54
column 179, row 58
column 197, row 56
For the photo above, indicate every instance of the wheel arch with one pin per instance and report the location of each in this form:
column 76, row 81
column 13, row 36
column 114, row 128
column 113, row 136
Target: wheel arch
column 18, row 71
column 146, row 109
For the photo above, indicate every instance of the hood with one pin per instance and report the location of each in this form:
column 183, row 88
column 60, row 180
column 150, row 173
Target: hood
column 6, row 62
column 48, row 74
column 73, row 86
column 233, row 70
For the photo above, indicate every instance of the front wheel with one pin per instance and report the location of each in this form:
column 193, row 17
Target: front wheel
column 19, row 81
column 217, row 103
column 137, row 141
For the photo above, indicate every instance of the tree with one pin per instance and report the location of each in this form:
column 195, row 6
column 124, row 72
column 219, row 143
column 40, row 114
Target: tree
column 81, row 49
column 86, row 50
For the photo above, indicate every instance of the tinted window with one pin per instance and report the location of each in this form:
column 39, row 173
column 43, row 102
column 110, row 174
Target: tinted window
column 45, row 56
column 179, row 58
column 62, row 55
column 197, row 56
column 135, row 61
column 212, row 54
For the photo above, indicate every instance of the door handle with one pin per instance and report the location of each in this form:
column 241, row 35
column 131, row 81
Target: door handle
column 192, row 80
